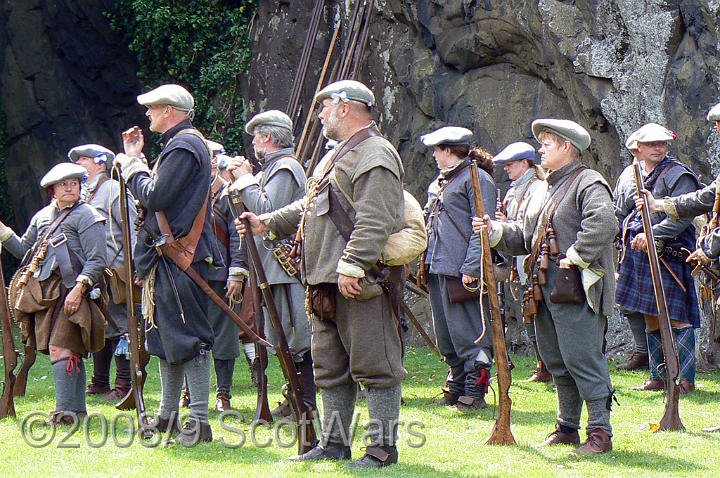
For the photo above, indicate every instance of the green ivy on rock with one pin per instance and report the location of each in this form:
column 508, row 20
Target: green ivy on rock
column 203, row 45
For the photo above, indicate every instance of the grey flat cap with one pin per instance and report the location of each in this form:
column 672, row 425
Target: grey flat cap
column 567, row 129
column 271, row 118
column 714, row 113
column 515, row 152
column 62, row 171
column 631, row 141
column 347, row 90
column 99, row 153
column 447, row 135
column 652, row 132
column 214, row 146
column 173, row 95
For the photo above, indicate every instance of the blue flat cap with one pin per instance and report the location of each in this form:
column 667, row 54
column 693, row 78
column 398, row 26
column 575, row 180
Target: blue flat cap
column 515, row 152
column 447, row 135
column 100, row 153
column 567, row 129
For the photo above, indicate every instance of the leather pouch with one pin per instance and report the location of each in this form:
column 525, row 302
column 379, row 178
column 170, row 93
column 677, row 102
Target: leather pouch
column 115, row 279
column 457, row 292
column 568, row 286
column 322, row 300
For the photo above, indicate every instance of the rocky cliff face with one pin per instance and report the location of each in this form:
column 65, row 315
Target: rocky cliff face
column 495, row 65
column 490, row 65
column 66, row 79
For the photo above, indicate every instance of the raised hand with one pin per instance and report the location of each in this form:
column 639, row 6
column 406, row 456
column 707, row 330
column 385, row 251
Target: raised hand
column 133, row 141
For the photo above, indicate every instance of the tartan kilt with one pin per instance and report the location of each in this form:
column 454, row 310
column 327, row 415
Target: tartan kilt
column 635, row 288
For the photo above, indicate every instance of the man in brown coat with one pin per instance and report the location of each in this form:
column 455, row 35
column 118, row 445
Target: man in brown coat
column 359, row 343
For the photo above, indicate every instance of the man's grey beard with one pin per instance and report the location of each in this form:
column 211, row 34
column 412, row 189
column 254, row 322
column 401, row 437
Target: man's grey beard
column 329, row 135
column 260, row 155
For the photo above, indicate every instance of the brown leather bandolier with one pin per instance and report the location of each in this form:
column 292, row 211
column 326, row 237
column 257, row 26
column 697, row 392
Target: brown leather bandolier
column 182, row 252
column 183, row 248
column 545, row 246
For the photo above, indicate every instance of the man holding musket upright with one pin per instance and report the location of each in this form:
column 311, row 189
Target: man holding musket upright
column 280, row 182
column 665, row 177
column 175, row 194
column 574, row 228
column 707, row 252
column 355, row 333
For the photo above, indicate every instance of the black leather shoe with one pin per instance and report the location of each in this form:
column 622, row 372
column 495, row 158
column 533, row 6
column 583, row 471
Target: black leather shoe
column 376, row 457
column 331, row 451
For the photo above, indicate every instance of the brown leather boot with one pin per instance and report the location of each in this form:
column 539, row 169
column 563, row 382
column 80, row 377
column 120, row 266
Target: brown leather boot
column 60, row 417
column 164, row 425
column 222, row 402
column 376, row 457
column 449, row 399
column 95, row 389
column 282, row 410
column 598, row 441
column 540, row 374
column 558, row 437
column 193, row 433
column 122, row 387
column 465, row 403
column 686, row 386
column 636, row 362
column 650, row 385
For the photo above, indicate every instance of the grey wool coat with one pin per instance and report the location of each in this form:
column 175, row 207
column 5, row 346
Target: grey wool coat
column 693, row 204
column 280, row 182
column 85, row 231
column 585, row 225
column 453, row 249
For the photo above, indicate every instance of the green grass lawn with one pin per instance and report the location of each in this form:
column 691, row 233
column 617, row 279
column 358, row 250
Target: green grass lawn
column 452, row 442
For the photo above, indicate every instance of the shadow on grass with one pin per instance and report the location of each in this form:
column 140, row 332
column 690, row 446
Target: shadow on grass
column 618, row 458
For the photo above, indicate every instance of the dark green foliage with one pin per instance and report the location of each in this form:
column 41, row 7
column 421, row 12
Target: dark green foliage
column 202, row 45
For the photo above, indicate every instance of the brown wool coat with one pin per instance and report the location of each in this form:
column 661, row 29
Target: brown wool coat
column 41, row 303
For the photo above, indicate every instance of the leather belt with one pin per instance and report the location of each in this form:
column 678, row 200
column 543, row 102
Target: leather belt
column 68, row 263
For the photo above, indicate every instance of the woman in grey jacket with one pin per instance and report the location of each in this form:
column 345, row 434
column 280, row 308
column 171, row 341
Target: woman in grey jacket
column 454, row 257
column 55, row 305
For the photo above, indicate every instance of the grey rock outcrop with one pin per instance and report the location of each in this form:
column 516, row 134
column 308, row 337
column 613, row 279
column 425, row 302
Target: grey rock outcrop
column 66, row 79
column 495, row 65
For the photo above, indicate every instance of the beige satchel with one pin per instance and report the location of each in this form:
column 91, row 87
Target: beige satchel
column 404, row 246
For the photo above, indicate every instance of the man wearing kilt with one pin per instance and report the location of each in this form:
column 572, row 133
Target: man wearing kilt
column 664, row 177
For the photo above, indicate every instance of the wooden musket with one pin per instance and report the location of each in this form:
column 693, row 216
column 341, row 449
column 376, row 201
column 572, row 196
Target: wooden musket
column 139, row 357
column 307, row 438
column 7, row 404
column 501, row 434
column 671, row 417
